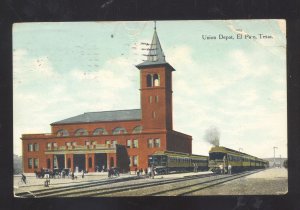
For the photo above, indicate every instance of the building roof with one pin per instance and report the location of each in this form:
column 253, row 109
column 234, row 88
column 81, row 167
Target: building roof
column 105, row 116
column 156, row 55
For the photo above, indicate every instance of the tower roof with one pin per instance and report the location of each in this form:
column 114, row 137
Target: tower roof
column 156, row 55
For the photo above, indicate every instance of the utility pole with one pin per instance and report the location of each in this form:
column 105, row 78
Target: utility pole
column 274, row 156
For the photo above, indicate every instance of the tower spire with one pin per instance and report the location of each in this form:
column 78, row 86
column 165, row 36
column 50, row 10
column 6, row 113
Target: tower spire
column 155, row 54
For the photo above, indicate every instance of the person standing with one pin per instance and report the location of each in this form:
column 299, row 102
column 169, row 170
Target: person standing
column 229, row 169
column 24, row 178
column 72, row 175
column 135, row 170
column 149, row 171
column 221, row 168
column 152, row 171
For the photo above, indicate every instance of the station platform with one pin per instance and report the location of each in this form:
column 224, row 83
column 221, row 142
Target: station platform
column 33, row 182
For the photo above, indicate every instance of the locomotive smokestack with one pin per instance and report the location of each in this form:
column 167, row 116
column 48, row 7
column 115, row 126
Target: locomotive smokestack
column 212, row 136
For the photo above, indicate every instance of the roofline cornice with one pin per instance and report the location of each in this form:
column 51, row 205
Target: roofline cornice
column 141, row 66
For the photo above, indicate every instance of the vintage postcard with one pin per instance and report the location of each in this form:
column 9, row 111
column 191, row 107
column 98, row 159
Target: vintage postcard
column 150, row 108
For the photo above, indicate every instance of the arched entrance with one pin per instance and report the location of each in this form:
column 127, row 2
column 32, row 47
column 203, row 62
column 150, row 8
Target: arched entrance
column 100, row 162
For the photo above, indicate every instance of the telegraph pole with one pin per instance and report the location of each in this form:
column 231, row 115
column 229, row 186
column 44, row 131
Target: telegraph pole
column 274, row 156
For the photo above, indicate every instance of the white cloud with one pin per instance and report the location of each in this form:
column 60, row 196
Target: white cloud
column 115, row 73
column 279, row 96
column 248, row 98
column 27, row 70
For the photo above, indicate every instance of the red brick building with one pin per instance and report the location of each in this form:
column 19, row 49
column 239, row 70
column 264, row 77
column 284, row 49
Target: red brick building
column 123, row 138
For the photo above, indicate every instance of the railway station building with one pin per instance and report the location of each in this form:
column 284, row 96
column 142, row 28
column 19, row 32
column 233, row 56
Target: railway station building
column 124, row 138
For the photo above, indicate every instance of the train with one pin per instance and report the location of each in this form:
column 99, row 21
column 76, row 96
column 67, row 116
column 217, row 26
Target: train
column 169, row 161
column 239, row 161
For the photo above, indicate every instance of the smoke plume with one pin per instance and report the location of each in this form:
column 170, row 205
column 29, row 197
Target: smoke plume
column 212, row 136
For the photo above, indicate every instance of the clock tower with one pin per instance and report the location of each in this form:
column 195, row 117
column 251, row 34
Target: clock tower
column 156, row 89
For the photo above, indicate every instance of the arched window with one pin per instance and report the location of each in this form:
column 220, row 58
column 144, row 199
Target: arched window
column 119, row 130
column 62, row 132
column 99, row 131
column 149, row 80
column 138, row 129
column 81, row 132
column 156, row 80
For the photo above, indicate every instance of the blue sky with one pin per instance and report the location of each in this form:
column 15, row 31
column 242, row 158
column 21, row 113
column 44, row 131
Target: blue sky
column 65, row 69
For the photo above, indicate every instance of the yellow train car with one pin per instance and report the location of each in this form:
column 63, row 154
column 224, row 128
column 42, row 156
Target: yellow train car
column 221, row 157
column 168, row 161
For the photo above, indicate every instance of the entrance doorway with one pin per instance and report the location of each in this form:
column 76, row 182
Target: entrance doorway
column 100, row 162
column 59, row 161
column 79, row 161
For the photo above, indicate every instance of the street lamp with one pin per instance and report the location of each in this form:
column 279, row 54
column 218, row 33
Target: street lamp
column 274, row 156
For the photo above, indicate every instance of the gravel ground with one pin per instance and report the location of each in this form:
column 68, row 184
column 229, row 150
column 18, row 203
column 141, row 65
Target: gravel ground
column 273, row 181
column 268, row 182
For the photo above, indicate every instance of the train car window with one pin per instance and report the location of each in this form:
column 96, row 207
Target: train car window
column 216, row 155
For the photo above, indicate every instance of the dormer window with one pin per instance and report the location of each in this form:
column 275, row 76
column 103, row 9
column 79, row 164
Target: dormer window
column 81, row 132
column 119, row 130
column 100, row 131
column 62, row 132
column 138, row 129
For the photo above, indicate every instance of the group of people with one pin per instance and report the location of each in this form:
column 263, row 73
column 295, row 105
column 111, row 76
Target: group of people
column 223, row 169
column 113, row 172
column 100, row 169
column 150, row 171
column 195, row 165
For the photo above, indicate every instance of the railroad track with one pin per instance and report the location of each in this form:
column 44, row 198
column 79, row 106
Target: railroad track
column 192, row 188
column 140, row 187
column 58, row 189
column 176, row 188
column 99, row 188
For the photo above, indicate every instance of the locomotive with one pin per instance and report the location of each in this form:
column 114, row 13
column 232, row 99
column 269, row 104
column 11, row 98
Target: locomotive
column 168, row 161
column 239, row 161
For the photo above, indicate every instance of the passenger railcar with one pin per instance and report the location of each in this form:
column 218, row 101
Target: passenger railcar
column 239, row 161
column 167, row 161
